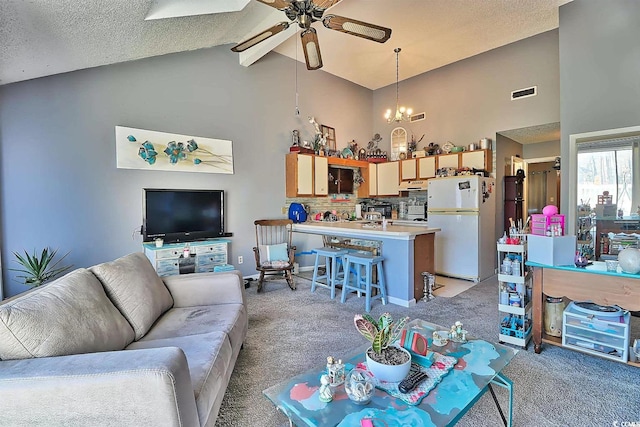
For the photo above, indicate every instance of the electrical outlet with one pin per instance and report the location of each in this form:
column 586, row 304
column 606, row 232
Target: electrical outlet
column 284, row 210
column 240, row 259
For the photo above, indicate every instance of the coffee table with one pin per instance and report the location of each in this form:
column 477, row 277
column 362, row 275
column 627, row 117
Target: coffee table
column 480, row 365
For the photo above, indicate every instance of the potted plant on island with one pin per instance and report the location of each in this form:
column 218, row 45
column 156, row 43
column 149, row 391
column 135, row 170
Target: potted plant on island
column 385, row 361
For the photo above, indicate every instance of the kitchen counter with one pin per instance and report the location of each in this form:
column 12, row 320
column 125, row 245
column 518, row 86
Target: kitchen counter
column 408, row 251
column 364, row 229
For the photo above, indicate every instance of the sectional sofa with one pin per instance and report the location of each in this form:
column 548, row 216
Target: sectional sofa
column 116, row 345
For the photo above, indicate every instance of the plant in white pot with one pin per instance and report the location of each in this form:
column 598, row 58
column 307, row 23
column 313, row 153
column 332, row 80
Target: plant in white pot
column 385, row 361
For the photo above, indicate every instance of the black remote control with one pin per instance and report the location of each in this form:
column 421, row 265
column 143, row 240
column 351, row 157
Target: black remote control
column 414, row 378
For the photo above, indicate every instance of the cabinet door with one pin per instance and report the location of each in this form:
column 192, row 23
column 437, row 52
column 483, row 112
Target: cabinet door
column 426, row 167
column 474, row 159
column 321, row 176
column 408, row 169
column 305, row 174
column 388, row 178
column 448, row 161
column 373, row 179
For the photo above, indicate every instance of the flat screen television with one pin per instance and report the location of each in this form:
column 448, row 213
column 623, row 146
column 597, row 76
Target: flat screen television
column 182, row 215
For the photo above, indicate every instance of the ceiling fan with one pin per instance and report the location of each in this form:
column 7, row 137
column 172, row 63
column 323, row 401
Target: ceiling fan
column 305, row 13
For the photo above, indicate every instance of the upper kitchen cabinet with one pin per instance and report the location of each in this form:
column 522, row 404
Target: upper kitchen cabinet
column 477, row 159
column 306, row 175
column 340, row 180
column 408, row 170
column 451, row 160
column 373, row 180
column 321, row 176
column 388, row 178
column 426, row 167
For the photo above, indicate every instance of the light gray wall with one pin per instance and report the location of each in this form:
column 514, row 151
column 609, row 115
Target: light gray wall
column 470, row 99
column 599, row 70
column 60, row 184
column 541, row 149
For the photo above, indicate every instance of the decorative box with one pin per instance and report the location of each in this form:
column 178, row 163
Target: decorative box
column 541, row 223
column 558, row 250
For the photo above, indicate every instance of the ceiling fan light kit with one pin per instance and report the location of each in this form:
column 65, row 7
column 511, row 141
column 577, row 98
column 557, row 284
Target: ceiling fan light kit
column 402, row 114
column 305, row 13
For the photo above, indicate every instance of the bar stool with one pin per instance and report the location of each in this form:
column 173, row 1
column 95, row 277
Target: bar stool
column 333, row 273
column 364, row 284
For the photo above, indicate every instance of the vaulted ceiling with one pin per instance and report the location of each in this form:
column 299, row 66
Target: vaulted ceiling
column 45, row 37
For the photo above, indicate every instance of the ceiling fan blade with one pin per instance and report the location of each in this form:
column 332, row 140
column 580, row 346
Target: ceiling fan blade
column 311, row 49
column 325, row 4
column 357, row 28
column 278, row 4
column 242, row 46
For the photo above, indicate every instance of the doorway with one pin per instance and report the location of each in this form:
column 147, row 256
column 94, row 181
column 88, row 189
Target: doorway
column 542, row 184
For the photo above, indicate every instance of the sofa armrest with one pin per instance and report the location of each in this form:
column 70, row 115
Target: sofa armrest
column 149, row 387
column 189, row 290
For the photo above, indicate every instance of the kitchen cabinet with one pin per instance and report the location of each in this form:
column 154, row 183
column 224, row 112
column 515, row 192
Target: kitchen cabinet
column 426, row 167
column 448, row 160
column 306, row 175
column 321, row 176
column 388, row 178
column 373, row 179
column 477, row 159
column 408, row 170
column 340, row 180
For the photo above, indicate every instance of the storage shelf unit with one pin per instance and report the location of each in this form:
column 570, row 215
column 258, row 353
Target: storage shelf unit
column 515, row 317
column 606, row 337
column 205, row 255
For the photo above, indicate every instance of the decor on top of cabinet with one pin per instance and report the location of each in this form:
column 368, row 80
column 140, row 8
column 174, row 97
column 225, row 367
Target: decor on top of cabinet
column 182, row 153
column 413, row 144
column 330, row 137
column 432, row 149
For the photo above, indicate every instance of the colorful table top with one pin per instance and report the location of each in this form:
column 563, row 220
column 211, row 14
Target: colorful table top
column 478, row 364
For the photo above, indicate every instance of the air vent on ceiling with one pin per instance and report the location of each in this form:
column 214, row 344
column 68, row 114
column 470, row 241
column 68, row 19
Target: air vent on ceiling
column 417, row 117
column 524, row 93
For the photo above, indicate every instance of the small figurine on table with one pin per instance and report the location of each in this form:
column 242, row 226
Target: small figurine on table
column 335, row 371
column 457, row 333
column 325, row 392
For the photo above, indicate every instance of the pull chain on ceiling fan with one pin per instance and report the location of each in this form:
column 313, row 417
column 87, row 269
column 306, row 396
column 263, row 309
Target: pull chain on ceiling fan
column 305, row 13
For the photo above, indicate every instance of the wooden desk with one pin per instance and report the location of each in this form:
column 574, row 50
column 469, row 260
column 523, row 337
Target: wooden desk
column 593, row 283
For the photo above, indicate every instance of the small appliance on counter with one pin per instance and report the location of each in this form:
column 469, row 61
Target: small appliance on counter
column 417, row 212
column 297, row 213
column 383, row 208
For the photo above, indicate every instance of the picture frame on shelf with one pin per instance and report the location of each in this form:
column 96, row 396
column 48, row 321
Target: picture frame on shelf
column 330, row 134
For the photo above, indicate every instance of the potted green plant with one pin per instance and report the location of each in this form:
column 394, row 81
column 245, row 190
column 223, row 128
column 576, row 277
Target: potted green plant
column 386, row 362
column 39, row 269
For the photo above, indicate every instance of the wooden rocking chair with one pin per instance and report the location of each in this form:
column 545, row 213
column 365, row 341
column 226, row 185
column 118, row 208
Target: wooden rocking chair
column 273, row 251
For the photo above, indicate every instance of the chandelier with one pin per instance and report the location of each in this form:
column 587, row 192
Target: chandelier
column 402, row 114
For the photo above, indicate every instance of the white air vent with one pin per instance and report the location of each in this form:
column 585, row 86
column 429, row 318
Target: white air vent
column 417, row 117
column 524, row 93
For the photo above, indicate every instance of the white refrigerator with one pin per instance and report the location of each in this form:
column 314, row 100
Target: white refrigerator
column 464, row 208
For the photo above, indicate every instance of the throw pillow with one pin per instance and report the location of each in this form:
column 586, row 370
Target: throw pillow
column 271, row 253
column 70, row 315
column 136, row 289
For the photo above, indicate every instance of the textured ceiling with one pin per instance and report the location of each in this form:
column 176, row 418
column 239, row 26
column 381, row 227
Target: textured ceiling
column 45, row 37
column 534, row 134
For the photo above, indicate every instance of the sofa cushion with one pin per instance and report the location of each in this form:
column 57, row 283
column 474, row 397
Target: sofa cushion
column 136, row 289
column 70, row 315
column 210, row 361
column 228, row 318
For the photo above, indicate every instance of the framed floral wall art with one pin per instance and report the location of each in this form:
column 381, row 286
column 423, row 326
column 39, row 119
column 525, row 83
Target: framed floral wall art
column 152, row 150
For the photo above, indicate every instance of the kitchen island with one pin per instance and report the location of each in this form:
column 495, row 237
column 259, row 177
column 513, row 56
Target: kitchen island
column 407, row 250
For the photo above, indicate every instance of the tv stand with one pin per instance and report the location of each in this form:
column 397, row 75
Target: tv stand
column 205, row 256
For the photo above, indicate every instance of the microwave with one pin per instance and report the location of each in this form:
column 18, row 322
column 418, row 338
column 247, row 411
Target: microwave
column 383, row 208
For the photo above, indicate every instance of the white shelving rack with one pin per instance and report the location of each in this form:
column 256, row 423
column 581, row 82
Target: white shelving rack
column 515, row 317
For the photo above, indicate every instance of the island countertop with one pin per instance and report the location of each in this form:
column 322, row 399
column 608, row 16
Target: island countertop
column 364, row 229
